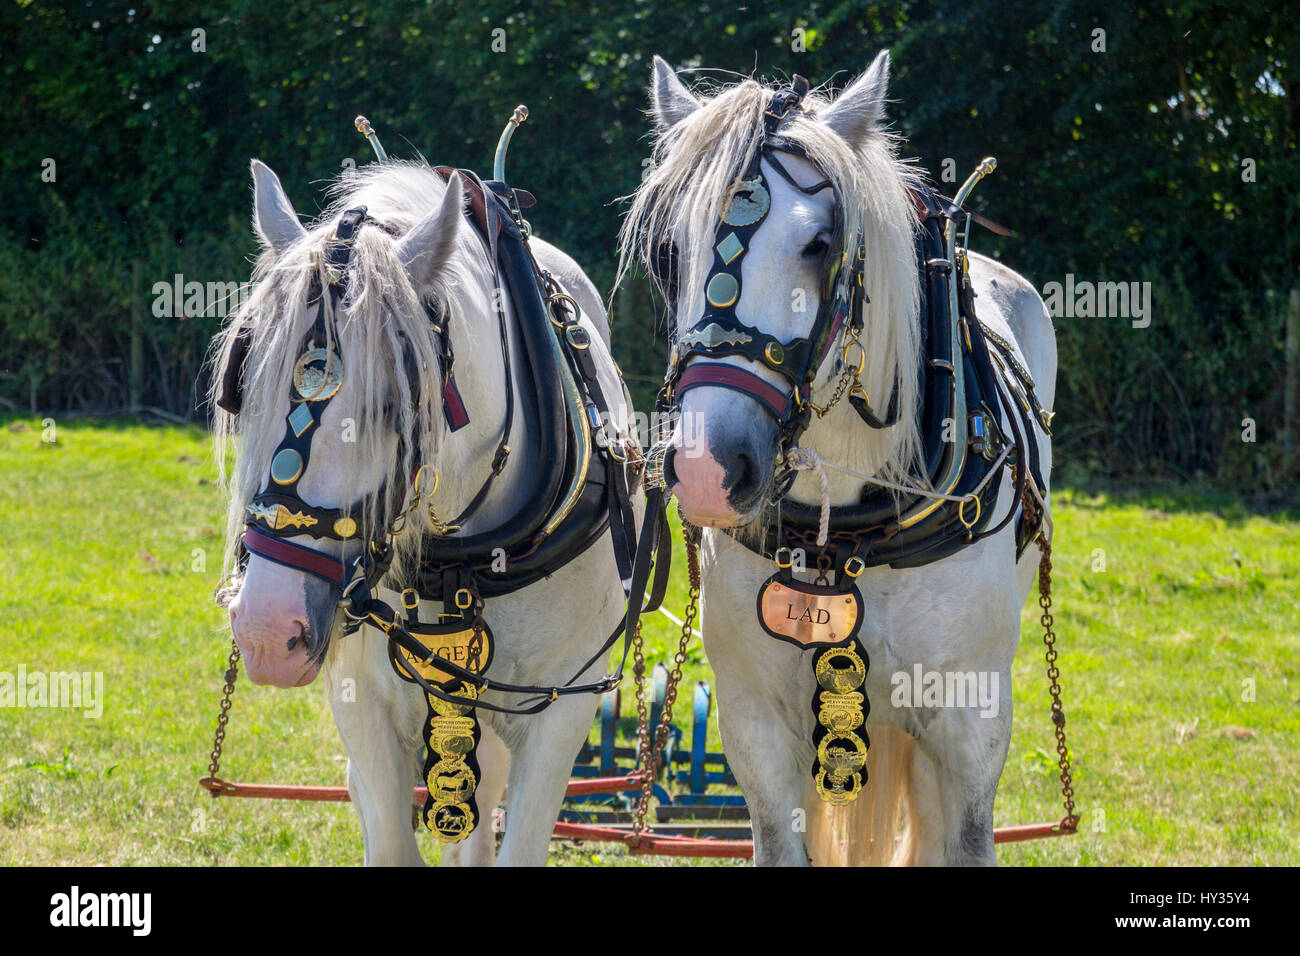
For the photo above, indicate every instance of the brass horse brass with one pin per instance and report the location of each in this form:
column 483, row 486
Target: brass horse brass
column 805, row 614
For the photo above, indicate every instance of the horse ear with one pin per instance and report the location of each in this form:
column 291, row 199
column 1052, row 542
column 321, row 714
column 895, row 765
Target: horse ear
column 273, row 217
column 671, row 102
column 427, row 247
column 860, row 109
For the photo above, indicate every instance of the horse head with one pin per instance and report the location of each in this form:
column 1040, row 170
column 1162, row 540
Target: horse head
column 334, row 415
column 757, row 201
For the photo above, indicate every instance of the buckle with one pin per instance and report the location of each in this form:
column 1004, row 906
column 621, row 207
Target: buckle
column 410, row 599
column 789, row 558
column 464, row 599
column 854, row 566
column 499, row 459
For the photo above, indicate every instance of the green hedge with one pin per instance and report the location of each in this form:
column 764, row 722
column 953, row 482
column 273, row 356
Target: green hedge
column 1122, row 165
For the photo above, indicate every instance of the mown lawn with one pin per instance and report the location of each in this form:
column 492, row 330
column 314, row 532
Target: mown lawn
column 1179, row 645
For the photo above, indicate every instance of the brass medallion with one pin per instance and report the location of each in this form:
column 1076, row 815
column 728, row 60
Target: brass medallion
column 840, row 713
column 840, row 679
column 747, row 202
column 318, row 375
column 453, row 822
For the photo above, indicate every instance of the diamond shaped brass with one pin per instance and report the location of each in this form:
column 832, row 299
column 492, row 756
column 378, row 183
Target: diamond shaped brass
column 730, row 247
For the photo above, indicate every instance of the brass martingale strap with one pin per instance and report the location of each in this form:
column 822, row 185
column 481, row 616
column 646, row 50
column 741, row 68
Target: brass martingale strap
column 451, row 770
column 451, row 730
column 840, row 703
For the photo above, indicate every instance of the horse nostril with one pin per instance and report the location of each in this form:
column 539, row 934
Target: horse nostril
column 303, row 636
column 745, row 486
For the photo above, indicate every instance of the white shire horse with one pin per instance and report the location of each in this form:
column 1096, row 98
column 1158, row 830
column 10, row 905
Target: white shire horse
column 932, row 770
column 416, row 249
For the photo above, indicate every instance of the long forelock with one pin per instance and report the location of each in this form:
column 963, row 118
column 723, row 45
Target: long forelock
column 384, row 320
column 695, row 161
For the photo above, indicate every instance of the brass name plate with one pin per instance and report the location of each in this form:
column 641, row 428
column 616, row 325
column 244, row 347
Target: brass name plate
column 806, row 614
column 470, row 648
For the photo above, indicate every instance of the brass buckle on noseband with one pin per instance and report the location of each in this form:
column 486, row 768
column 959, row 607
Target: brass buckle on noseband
column 854, row 566
column 787, row 562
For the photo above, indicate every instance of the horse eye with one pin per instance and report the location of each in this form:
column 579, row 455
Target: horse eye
column 816, row 249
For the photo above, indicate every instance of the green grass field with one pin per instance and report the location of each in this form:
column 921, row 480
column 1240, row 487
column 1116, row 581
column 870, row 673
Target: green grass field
column 1179, row 642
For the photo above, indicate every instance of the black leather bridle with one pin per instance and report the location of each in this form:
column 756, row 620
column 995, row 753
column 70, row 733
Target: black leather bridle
column 720, row 333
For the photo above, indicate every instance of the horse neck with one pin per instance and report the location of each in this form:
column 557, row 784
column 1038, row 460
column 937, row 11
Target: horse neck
column 841, row 438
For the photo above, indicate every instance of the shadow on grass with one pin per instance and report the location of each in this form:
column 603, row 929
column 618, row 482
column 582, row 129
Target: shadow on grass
column 1233, row 506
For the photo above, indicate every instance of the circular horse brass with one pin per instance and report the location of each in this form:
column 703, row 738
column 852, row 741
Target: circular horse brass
column 345, row 527
column 747, row 203
column 286, row 466
column 723, row 290
column 835, row 794
column 451, row 781
column 318, row 375
column 452, row 823
column 841, row 760
column 446, row 709
column 775, row 354
column 841, row 680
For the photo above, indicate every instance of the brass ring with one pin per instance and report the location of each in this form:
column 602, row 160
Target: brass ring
column 961, row 511
column 468, row 599
column 854, row 566
column 789, row 558
column 415, row 485
column 555, row 297
column 862, row 353
column 410, row 598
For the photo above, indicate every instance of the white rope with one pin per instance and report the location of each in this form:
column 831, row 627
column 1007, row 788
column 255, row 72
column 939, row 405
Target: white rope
column 678, row 621
column 805, row 459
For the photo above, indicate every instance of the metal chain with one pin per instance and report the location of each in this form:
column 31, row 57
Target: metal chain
column 650, row 755
column 849, row 376
column 213, row 782
column 643, row 738
column 1070, row 822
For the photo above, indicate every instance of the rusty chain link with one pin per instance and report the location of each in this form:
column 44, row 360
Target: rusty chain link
column 650, row 753
column 214, row 783
column 1070, row 822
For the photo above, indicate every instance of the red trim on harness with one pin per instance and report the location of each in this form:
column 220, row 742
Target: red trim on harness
column 457, row 417
column 737, row 379
column 294, row 556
